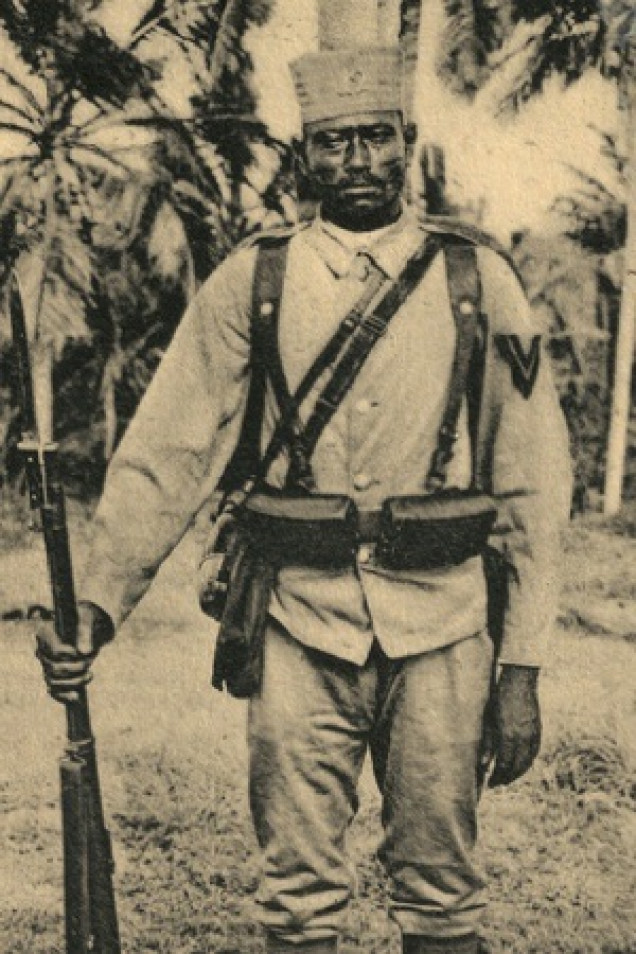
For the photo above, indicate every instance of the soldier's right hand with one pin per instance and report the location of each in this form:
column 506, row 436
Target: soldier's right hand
column 68, row 668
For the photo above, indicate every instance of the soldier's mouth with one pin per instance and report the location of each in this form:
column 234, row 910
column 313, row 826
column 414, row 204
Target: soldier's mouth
column 361, row 191
column 360, row 187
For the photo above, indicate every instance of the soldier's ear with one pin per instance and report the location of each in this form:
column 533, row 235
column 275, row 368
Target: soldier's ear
column 410, row 134
column 410, row 138
column 300, row 155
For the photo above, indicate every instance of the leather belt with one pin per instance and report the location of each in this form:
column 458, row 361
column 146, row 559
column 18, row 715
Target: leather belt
column 369, row 525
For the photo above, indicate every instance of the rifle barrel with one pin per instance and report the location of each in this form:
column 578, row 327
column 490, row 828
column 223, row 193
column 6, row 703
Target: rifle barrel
column 90, row 911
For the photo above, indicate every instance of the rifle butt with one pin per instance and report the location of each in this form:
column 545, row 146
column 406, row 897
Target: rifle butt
column 75, row 811
column 90, row 910
column 103, row 909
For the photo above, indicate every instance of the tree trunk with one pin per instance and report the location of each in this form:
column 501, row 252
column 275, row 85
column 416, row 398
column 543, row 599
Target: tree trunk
column 621, row 398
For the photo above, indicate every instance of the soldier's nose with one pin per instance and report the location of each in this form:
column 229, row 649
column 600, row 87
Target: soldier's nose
column 358, row 155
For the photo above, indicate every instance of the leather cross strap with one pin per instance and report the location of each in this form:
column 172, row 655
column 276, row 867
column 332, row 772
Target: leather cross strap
column 464, row 289
column 267, row 363
column 363, row 325
column 266, row 341
column 369, row 330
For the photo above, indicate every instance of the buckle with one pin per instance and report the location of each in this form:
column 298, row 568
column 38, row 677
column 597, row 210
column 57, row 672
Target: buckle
column 375, row 325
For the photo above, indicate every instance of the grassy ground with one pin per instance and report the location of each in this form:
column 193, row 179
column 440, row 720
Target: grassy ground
column 559, row 846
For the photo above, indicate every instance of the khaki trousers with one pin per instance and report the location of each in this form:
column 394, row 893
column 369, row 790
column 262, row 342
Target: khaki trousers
column 309, row 730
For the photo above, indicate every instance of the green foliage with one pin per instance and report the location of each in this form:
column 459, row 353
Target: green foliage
column 511, row 50
column 61, row 35
column 545, row 37
column 114, row 204
column 594, row 765
column 474, row 31
column 576, row 305
column 594, row 215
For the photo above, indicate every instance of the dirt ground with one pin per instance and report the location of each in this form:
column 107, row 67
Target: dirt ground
column 559, row 846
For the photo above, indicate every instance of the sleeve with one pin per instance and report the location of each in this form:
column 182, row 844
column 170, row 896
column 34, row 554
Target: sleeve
column 523, row 460
column 177, row 445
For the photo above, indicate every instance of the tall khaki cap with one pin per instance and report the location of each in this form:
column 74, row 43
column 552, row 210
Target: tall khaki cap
column 357, row 23
column 333, row 83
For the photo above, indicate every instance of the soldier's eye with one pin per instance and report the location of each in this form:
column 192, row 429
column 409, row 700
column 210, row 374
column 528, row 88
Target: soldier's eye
column 332, row 142
column 380, row 135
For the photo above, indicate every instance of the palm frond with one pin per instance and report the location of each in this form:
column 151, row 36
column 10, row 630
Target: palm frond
column 179, row 154
column 472, row 32
column 561, row 41
column 610, row 149
column 105, row 158
column 16, row 127
column 598, row 225
column 595, row 212
column 17, row 110
column 10, row 161
column 7, row 188
column 153, row 16
column 192, row 24
column 99, row 68
column 15, row 83
column 105, row 118
column 72, row 261
column 30, row 24
column 567, row 11
column 73, row 195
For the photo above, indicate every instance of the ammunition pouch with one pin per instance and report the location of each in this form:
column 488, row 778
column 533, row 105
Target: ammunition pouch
column 275, row 528
column 437, row 530
column 315, row 530
column 238, row 571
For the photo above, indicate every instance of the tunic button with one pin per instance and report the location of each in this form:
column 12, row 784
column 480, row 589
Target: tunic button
column 361, row 267
column 363, row 406
column 362, row 481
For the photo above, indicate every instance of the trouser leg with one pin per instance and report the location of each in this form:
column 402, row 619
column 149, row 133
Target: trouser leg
column 425, row 752
column 417, row 944
column 277, row 945
column 307, row 737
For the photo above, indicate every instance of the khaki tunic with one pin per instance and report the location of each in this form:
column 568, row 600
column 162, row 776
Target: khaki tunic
column 379, row 443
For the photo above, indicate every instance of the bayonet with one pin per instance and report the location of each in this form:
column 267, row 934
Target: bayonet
column 89, row 901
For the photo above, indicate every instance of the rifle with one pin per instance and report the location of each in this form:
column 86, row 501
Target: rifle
column 89, row 900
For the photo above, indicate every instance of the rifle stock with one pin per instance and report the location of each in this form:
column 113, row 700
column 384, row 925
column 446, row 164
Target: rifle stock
column 89, row 900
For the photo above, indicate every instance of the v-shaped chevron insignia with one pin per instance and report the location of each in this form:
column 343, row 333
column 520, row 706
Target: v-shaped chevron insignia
column 523, row 356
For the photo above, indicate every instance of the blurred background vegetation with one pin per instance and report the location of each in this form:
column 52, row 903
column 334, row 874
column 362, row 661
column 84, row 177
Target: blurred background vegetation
column 116, row 203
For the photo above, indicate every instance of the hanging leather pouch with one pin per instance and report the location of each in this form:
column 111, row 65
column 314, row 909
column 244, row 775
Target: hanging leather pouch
column 238, row 656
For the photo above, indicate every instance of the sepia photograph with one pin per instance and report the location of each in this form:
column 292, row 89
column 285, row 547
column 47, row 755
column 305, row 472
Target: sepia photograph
column 317, row 476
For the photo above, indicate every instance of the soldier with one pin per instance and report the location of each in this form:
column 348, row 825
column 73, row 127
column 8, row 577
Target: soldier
column 365, row 657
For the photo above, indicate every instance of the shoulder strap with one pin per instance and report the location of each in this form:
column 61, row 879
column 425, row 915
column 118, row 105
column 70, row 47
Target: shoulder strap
column 456, row 230
column 267, row 291
column 363, row 325
column 373, row 326
column 464, row 289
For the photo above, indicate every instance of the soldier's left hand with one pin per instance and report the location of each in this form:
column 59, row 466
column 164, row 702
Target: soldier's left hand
column 512, row 726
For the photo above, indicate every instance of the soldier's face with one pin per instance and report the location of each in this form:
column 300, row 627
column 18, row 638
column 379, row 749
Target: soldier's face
column 357, row 166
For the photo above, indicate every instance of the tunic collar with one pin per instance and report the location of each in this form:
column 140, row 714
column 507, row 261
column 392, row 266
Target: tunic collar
column 342, row 250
